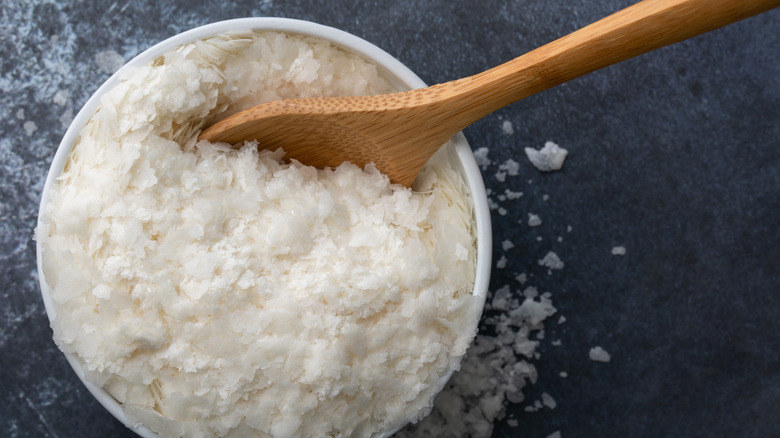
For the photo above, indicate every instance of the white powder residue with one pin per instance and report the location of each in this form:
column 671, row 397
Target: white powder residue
column 501, row 263
column 521, row 278
column 552, row 261
column 215, row 291
column 547, row 159
column 507, row 127
column 109, row 61
column 619, row 250
column 20, row 114
column 598, row 354
column 507, row 245
column 534, row 220
column 556, row 434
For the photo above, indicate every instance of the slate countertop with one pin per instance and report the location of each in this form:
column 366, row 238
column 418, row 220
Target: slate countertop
column 673, row 156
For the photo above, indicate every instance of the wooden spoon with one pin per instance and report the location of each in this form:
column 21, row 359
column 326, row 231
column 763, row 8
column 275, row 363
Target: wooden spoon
column 399, row 132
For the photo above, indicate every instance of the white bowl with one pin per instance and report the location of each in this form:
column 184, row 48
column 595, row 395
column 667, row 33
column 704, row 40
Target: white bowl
column 393, row 70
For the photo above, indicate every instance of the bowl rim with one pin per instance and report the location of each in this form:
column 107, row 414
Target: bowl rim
column 390, row 67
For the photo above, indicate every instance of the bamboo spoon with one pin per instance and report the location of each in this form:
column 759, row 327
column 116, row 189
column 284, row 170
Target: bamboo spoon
column 399, row 132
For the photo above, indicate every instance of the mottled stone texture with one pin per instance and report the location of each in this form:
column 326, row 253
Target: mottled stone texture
column 674, row 155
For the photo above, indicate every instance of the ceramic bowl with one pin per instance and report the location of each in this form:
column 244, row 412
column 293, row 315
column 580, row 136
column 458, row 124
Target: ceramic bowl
column 399, row 76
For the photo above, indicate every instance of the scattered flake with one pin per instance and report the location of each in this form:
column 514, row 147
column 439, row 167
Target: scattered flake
column 507, row 245
column 511, row 167
column 522, row 278
column 598, row 354
column 563, row 374
column 512, row 195
column 20, row 114
column 568, row 228
column 109, row 61
column 539, row 239
column 501, row 176
column 534, row 220
column 501, row 263
column 493, row 204
column 552, row 261
column 61, row 98
column 556, row 343
column 481, row 155
column 619, row 250
column 547, row 159
column 562, row 319
column 548, row 401
column 30, row 127
column 512, row 422
column 556, row 434
column 531, row 292
column 493, row 372
column 66, row 117
column 507, row 127
column 502, row 211
column 545, row 197
column 501, row 299
column 502, row 198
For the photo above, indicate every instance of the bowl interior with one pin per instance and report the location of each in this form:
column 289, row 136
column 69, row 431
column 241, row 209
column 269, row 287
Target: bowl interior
column 393, row 70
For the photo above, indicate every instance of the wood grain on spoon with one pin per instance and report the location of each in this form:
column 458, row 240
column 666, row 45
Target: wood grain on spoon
column 399, row 132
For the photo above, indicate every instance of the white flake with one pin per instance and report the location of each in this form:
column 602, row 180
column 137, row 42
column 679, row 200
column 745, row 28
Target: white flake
column 507, row 127
column 598, row 354
column 547, row 159
column 552, row 261
column 30, row 127
column 481, row 155
column 109, row 61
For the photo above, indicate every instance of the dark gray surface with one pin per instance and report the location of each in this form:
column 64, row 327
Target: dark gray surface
column 674, row 155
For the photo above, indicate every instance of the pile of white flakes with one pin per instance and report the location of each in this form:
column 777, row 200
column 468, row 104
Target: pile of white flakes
column 501, row 361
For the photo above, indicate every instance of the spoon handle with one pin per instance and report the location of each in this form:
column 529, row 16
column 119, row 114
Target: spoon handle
column 640, row 28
